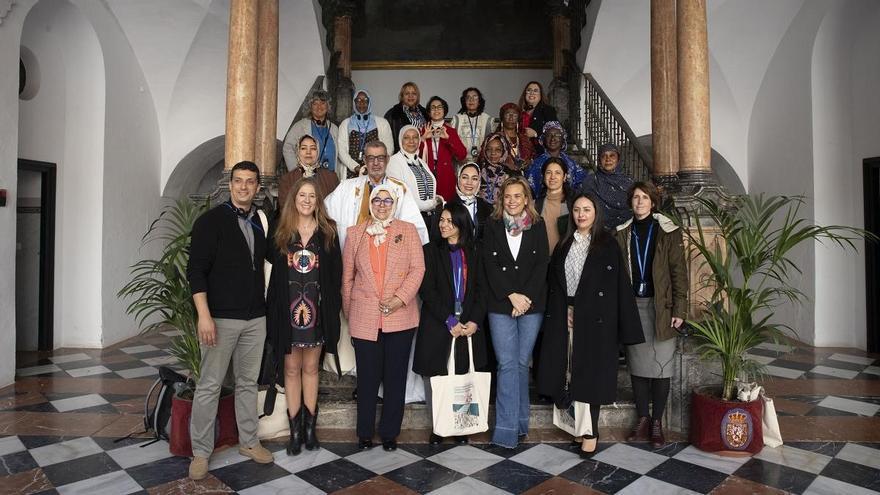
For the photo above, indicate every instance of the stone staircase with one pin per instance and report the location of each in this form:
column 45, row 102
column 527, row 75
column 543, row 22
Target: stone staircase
column 339, row 410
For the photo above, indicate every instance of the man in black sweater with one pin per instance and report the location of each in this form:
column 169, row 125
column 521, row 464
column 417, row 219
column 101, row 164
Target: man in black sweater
column 225, row 274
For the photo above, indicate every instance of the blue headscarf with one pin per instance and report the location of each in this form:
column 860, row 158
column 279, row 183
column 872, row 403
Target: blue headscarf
column 358, row 120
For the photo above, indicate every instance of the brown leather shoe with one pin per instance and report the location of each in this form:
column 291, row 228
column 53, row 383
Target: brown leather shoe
column 258, row 453
column 641, row 431
column 657, row 439
column 198, row 468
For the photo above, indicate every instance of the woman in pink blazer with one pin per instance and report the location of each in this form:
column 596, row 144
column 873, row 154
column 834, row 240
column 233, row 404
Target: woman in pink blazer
column 382, row 271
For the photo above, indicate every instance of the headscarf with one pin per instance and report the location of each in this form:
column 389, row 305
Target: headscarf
column 467, row 200
column 554, row 124
column 377, row 227
column 611, row 187
column 357, row 120
column 410, row 157
column 505, row 152
column 308, row 170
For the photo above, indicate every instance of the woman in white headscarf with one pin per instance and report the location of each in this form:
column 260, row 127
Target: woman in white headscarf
column 467, row 192
column 382, row 271
column 407, row 166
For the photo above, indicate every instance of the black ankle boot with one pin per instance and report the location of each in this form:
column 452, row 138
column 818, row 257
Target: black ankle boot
column 309, row 422
column 294, row 446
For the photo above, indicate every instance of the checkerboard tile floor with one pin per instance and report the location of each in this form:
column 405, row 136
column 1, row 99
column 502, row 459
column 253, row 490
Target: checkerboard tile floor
column 34, row 464
column 59, row 421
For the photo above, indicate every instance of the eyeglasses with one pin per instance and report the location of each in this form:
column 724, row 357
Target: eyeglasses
column 533, row 91
column 375, row 159
column 361, row 100
column 436, row 107
column 387, row 202
column 473, row 98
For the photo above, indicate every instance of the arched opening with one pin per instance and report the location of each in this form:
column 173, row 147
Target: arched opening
column 723, row 170
column 61, row 122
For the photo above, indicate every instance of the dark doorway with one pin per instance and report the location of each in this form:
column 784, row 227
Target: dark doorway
column 872, row 251
column 30, row 210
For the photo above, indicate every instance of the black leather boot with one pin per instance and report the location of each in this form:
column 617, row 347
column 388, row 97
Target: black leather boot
column 294, row 446
column 309, row 422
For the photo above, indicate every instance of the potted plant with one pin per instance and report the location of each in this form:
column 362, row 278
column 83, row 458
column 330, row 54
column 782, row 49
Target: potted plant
column 161, row 294
column 745, row 277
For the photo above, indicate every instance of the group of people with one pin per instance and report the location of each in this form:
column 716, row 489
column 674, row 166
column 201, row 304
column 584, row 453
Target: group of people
column 494, row 236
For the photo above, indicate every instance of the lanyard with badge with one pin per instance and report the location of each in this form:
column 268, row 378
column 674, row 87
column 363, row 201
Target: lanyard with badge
column 473, row 126
column 459, row 278
column 642, row 260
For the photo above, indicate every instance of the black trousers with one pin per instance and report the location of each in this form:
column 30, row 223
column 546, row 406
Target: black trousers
column 385, row 362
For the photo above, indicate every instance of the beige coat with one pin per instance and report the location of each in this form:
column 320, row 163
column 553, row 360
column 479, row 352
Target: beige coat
column 669, row 270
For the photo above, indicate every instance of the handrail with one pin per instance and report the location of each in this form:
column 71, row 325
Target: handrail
column 604, row 123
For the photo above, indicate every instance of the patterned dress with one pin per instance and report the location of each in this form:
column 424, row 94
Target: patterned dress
column 305, row 294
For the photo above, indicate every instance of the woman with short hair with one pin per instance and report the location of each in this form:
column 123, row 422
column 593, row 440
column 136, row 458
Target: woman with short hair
column 472, row 122
column 654, row 253
column 441, row 147
column 407, row 111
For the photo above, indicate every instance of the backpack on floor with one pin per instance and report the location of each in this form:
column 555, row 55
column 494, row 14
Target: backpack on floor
column 157, row 404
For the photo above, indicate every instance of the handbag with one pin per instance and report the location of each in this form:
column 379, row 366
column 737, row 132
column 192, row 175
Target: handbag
column 275, row 424
column 770, row 423
column 461, row 402
column 574, row 420
column 570, row 416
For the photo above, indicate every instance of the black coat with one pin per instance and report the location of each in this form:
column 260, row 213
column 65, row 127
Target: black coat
column 278, row 332
column 526, row 275
column 484, row 209
column 542, row 114
column 605, row 316
column 397, row 118
column 438, row 302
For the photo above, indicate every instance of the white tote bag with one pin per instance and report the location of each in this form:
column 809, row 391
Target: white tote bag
column 770, row 423
column 461, row 402
column 274, row 425
column 575, row 420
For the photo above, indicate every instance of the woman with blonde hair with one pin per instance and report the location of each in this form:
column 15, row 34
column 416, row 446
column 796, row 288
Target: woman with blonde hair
column 515, row 256
column 303, row 302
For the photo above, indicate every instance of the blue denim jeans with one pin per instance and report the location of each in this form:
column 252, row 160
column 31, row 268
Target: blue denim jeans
column 513, row 340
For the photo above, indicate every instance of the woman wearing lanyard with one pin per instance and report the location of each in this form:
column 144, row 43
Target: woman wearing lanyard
column 452, row 305
column 382, row 269
column 440, row 146
column 358, row 130
column 655, row 257
column 471, row 122
column 467, row 192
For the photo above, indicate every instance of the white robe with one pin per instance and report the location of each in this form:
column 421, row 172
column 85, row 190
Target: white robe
column 343, row 205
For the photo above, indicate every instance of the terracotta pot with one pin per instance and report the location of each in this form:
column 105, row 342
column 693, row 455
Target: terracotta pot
column 225, row 428
column 725, row 427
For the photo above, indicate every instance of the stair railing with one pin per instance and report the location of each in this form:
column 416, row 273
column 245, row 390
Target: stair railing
column 603, row 123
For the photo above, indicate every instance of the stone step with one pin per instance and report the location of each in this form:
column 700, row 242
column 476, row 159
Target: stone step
column 339, row 410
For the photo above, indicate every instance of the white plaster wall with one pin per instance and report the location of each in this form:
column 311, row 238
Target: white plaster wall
column 64, row 124
column 10, row 35
column 498, row 86
column 181, row 47
column 132, row 158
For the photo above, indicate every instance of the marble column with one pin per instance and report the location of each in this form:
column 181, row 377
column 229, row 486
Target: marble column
column 341, row 85
column 266, row 156
column 561, row 43
column 342, row 43
column 695, row 146
column 664, row 92
column 241, row 82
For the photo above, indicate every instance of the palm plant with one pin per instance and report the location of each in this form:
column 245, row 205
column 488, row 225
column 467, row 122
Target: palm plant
column 159, row 287
column 752, row 276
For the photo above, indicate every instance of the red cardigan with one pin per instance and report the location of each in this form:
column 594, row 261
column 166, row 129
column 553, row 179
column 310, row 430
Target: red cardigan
column 444, row 167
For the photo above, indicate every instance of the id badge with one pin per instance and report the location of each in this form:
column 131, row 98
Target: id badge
column 474, row 151
column 457, row 309
column 643, row 289
column 360, row 157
